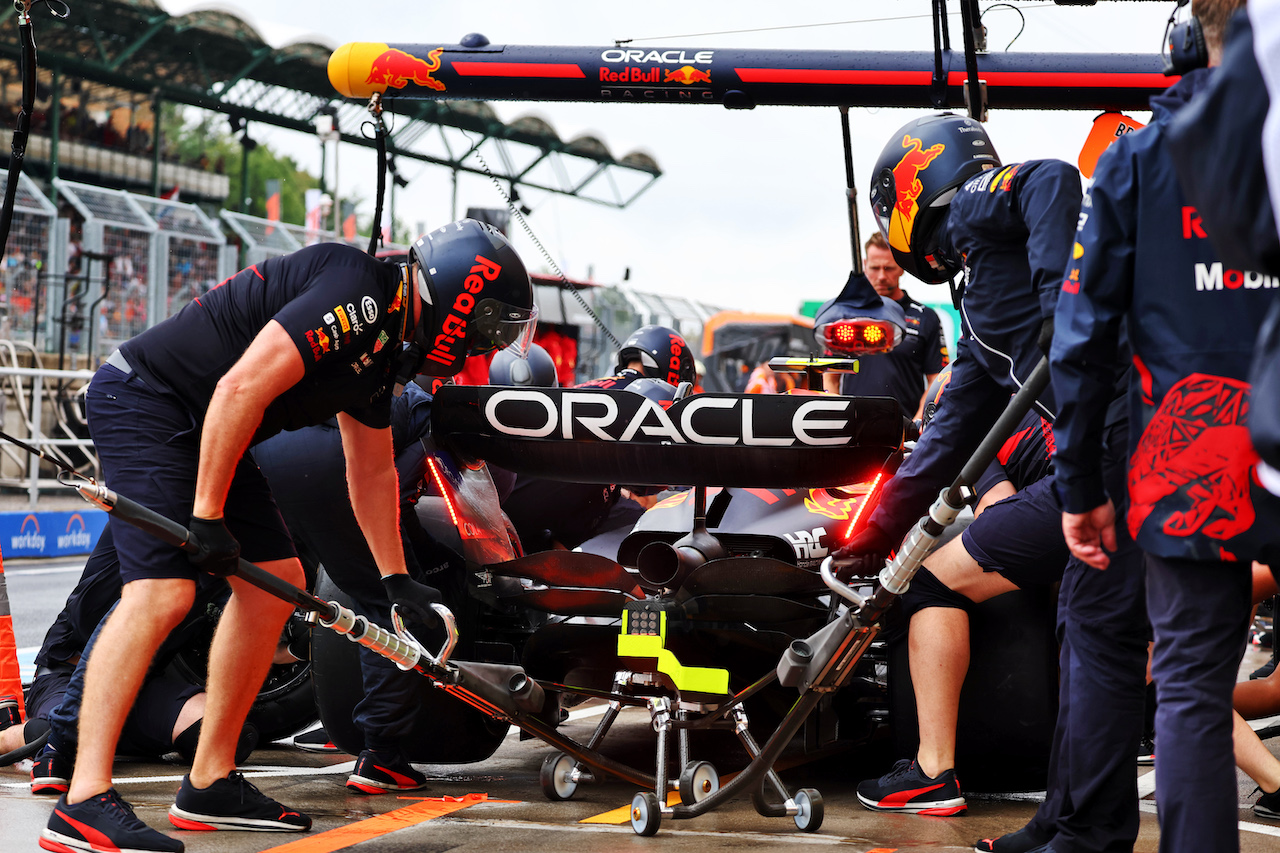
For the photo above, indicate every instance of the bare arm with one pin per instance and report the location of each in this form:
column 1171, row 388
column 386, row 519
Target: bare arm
column 269, row 367
column 831, row 383
column 375, row 491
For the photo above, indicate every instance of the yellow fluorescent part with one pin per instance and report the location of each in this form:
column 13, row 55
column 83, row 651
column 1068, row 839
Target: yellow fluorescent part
column 699, row 679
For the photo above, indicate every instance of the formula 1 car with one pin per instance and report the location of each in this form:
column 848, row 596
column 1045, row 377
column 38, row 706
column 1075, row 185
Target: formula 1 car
column 708, row 591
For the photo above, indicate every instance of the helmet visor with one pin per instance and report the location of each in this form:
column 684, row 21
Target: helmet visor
column 497, row 325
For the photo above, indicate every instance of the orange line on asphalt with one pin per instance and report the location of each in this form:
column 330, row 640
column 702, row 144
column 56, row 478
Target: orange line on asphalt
column 401, row 818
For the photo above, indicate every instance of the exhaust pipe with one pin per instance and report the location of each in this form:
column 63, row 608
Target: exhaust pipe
column 506, row 686
column 663, row 566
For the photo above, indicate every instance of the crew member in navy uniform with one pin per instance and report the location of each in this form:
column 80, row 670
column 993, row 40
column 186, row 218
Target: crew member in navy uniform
column 306, row 472
column 909, row 368
column 283, row 344
column 1196, row 508
column 656, row 352
column 1010, row 230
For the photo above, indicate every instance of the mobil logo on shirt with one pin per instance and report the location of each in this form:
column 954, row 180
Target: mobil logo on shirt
column 1216, row 276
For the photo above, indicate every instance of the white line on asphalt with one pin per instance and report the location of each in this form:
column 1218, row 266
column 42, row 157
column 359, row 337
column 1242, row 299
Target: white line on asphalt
column 51, row 570
column 792, row 837
column 1147, row 783
column 248, row 770
column 1261, row 829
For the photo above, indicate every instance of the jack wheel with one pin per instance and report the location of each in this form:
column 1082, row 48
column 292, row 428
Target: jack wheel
column 646, row 815
column 809, row 818
column 698, row 781
column 556, row 777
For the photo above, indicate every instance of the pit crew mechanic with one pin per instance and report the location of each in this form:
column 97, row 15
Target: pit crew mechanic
column 1014, row 493
column 305, row 471
column 905, row 372
column 1196, row 508
column 283, row 344
column 1010, row 229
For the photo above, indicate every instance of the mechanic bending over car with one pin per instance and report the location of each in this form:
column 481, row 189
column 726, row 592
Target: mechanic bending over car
column 284, row 344
column 165, row 717
column 946, row 204
column 1196, row 508
column 550, row 514
column 306, row 473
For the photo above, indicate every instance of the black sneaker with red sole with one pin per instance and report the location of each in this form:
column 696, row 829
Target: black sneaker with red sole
column 906, row 788
column 383, row 772
column 51, row 773
column 232, row 803
column 101, row 824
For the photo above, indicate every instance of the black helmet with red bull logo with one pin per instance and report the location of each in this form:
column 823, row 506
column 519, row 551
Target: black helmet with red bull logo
column 918, row 173
column 475, row 293
column 662, row 352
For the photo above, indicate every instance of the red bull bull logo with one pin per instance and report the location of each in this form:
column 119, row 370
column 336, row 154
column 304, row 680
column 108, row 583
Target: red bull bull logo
column 908, row 187
column 688, row 75
column 397, row 69
column 823, row 502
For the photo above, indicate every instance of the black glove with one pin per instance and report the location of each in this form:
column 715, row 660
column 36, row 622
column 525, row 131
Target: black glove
column 1045, row 341
column 219, row 552
column 413, row 600
column 864, row 554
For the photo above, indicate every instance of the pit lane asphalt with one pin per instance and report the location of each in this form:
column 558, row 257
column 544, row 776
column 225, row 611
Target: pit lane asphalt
column 497, row 805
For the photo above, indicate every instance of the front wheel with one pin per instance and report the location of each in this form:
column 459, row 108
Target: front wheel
column 810, row 814
column 646, row 814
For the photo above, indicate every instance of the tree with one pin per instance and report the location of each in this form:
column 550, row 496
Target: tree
column 207, row 142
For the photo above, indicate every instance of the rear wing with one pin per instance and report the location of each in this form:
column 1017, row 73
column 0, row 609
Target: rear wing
column 601, row 436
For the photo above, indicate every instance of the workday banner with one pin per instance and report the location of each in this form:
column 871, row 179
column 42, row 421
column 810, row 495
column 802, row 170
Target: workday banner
column 50, row 534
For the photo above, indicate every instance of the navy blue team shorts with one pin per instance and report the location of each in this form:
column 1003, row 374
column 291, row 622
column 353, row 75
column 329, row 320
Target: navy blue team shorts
column 1021, row 537
column 149, row 447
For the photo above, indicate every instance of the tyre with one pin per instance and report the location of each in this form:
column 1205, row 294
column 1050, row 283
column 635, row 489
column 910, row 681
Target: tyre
column 284, row 705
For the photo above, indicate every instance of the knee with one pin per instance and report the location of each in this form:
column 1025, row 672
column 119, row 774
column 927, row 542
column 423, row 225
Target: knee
column 927, row 591
column 160, row 600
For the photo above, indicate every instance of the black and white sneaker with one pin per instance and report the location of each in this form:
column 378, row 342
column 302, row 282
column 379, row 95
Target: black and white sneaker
column 316, row 740
column 1147, row 751
column 905, row 788
column 1268, row 805
column 232, row 803
column 102, row 824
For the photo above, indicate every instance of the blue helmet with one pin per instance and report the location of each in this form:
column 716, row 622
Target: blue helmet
column 536, row 367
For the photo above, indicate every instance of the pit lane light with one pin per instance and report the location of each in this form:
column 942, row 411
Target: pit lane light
column 860, row 336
